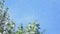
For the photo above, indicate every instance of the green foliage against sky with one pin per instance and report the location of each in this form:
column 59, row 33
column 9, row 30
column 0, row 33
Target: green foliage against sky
column 30, row 29
column 7, row 26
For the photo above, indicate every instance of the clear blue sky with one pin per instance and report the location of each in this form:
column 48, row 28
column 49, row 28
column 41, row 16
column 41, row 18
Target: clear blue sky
column 47, row 12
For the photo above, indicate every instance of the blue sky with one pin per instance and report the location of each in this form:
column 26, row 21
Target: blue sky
column 47, row 12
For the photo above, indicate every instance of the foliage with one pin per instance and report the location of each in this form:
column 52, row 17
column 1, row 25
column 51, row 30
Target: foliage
column 5, row 23
column 7, row 26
